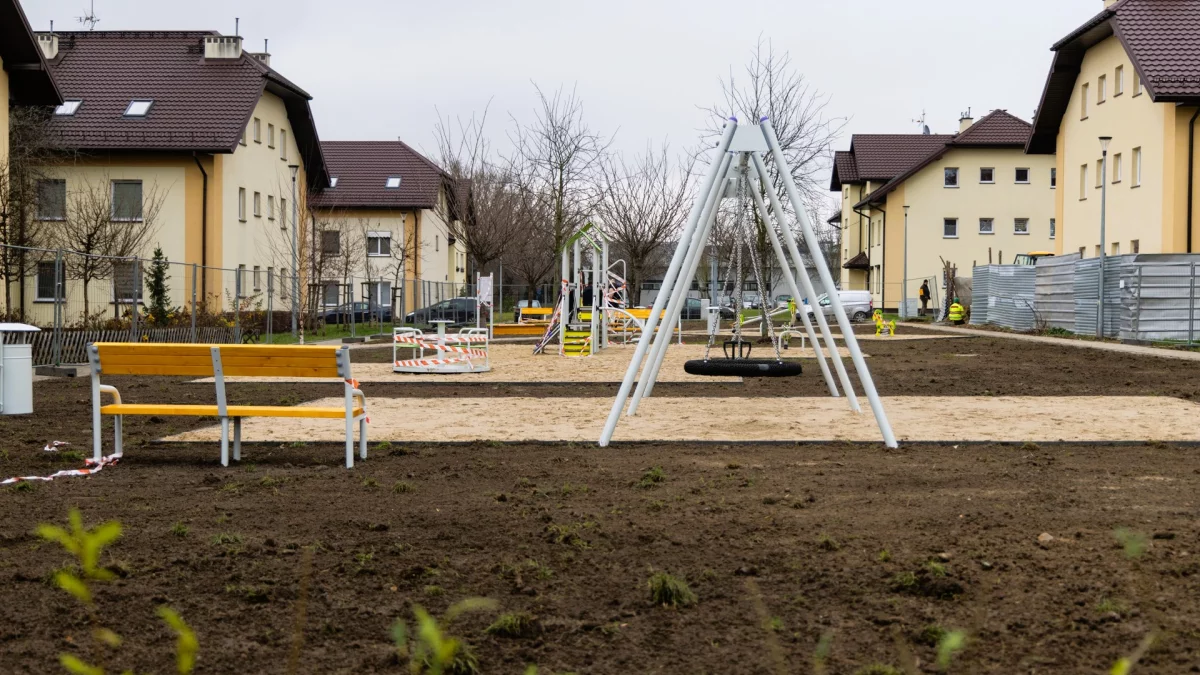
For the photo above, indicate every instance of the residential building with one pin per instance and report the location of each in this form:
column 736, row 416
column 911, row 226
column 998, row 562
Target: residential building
column 187, row 135
column 1131, row 72
column 386, row 221
column 970, row 197
column 24, row 76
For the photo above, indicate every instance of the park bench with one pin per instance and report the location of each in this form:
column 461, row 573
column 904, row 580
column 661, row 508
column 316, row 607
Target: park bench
column 535, row 314
column 219, row 362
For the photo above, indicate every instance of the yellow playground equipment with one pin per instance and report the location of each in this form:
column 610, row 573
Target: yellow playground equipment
column 883, row 328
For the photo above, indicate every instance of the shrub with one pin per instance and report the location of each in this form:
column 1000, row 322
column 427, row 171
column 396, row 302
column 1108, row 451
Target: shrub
column 652, row 478
column 670, row 591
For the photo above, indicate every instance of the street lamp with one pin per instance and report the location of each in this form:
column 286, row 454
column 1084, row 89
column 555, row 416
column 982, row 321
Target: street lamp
column 904, row 281
column 295, row 256
column 1104, row 141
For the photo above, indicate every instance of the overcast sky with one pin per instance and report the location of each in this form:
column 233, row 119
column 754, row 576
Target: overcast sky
column 377, row 68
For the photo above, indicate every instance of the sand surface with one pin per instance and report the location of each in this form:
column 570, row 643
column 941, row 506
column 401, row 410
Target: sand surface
column 957, row 418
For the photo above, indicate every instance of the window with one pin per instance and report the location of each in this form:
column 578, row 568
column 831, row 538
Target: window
column 1082, row 251
column 138, row 108
column 1020, row 226
column 379, row 243
column 1118, row 81
column 987, row 175
column 257, row 204
column 242, row 140
column 127, row 200
column 52, row 199
column 257, row 278
column 437, row 242
column 330, row 294
column 127, row 282
column 1083, row 102
column 1116, row 248
column 1053, row 228
column 1137, row 84
column 1098, row 249
column 1083, row 182
column 257, row 130
column 1101, row 88
column 986, row 226
column 285, row 282
column 331, row 242
column 241, row 281
column 379, row 293
column 1053, row 178
column 1099, row 173
column 1022, row 175
column 392, row 183
column 272, row 284
column 1116, row 168
column 283, row 213
column 1135, row 246
column 46, row 281
column 333, row 181
column 950, row 228
column 951, row 177
column 68, row 107
column 1137, row 167
column 270, row 207
column 283, row 144
column 270, row 135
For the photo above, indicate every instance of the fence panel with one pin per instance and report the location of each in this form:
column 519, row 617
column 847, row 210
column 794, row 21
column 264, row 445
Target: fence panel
column 1163, row 301
column 1054, row 291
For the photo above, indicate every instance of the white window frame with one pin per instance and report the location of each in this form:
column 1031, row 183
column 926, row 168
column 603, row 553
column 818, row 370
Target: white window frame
column 1118, row 81
column 1017, row 222
column 283, row 144
column 1117, row 168
column 270, row 135
column 1099, row 173
column 39, row 296
column 946, row 177
column 1101, row 89
column 376, row 236
column 1083, row 182
column 242, row 204
column 257, row 204
column 325, row 285
column 1137, row 83
column 947, row 221
column 283, row 214
column 139, row 107
column 270, row 207
column 1135, row 246
column 257, row 130
column 257, row 278
column 1054, row 178
column 987, row 168
column 1083, row 101
column 991, row 226
column 374, row 289
column 1017, row 175
column 392, row 183
column 1137, row 166
column 69, row 107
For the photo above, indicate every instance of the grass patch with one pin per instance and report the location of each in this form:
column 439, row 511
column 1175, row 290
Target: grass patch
column 1111, row 606
column 670, row 591
column 402, row 486
column 226, row 539
column 652, row 478
column 884, row 556
column 879, row 669
column 827, row 543
column 514, row 625
column 179, row 530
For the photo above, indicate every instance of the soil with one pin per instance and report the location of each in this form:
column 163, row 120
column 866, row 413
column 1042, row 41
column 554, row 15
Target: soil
column 782, row 544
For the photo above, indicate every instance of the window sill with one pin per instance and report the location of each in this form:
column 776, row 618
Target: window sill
column 950, row 187
column 46, row 301
column 949, row 237
column 258, row 142
column 987, row 182
column 379, row 255
column 241, row 220
column 1020, row 182
column 1137, row 94
column 1118, row 94
column 1116, row 182
column 987, row 234
column 127, row 220
column 1021, row 234
column 1135, row 185
column 42, row 219
column 1083, row 119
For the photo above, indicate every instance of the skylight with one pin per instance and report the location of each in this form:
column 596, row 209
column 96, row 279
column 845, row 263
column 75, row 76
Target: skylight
column 138, row 108
column 68, row 107
column 393, row 182
column 333, row 181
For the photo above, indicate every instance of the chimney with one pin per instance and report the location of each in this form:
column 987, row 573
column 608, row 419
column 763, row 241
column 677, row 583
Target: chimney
column 49, row 44
column 263, row 57
column 222, row 47
column 1108, row 3
column 965, row 121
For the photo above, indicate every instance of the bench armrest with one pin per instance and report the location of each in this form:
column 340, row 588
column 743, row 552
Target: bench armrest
column 357, row 393
column 109, row 389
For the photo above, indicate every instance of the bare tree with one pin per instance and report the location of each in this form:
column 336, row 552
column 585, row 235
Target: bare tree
column 532, row 256
column 557, row 163
column 31, row 149
column 643, row 209
column 105, row 226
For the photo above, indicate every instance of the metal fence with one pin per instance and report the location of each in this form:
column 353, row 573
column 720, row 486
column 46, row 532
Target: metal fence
column 1004, row 296
column 1162, row 302
column 1054, row 291
column 1087, row 294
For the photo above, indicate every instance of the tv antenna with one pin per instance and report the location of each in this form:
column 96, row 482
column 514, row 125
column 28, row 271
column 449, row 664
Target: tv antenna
column 90, row 19
column 921, row 126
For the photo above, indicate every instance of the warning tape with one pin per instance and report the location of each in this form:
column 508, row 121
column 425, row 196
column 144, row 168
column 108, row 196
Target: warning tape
column 426, row 344
column 412, row 363
column 92, row 467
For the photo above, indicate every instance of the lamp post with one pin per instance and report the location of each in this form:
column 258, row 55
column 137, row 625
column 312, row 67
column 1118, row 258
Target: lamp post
column 295, row 256
column 1104, row 141
column 904, row 280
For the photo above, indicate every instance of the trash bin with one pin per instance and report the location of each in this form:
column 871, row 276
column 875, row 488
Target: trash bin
column 16, row 371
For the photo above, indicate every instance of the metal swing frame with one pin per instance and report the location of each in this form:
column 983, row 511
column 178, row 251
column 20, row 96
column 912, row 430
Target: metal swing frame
column 746, row 146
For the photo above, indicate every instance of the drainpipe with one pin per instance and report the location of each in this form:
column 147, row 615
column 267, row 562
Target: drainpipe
column 203, row 229
column 1191, row 174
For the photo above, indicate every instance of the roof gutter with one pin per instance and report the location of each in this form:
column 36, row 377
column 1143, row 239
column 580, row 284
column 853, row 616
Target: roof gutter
column 203, row 227
column 1191, row 175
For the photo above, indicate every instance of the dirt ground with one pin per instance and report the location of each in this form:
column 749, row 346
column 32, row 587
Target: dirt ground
column 783, row 544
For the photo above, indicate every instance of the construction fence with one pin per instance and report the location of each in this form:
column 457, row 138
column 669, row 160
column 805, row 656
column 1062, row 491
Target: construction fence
column 1149, row 298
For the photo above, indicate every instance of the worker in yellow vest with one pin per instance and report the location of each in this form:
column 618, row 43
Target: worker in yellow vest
column 957, row 312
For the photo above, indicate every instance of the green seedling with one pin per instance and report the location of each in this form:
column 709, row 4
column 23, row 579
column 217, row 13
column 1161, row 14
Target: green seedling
column 513, row 625
column 670, row 591
column 425, row 647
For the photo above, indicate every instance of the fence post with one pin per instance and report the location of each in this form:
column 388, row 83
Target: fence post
column 270, row 303
column 350, row 305
column 194, row 302
column 1191, row 303
column 133, row 306
column 1135, row 321
column 237, row 306
column 58, row 298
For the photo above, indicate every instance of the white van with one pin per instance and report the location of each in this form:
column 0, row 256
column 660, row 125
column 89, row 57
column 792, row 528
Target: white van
column 858, row 305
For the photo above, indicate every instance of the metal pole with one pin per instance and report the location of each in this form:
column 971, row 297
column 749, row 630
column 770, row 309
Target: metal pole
column 864, row 374
column 798, row 261
column 1191, row 303
column 58, row 297
column 133, row 302
column 1103, row 243
column 790, row 279
column 270, row 303
column 350, row 306
column 685, row 236
column 194, row 274
column 237, row 306
column 604, row 287
column 295, row 261
column 904, row 280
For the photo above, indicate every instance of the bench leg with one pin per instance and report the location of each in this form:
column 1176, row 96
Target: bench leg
column 349, row 442
column 96, row 451
column 118, row 423
column 237, row 439
column 362, row 438
column 224, row 441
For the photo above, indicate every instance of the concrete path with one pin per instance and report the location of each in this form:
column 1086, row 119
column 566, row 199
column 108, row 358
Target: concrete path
column 1137, row 350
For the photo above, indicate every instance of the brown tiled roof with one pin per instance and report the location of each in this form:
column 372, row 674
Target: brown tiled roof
column 835, row 218
column 884, row 156
column 844, row 170
column 859, row 262
column 362, row 169
column 29, row 79
column 1162, row 38
column 199, row 105
column 997, row 129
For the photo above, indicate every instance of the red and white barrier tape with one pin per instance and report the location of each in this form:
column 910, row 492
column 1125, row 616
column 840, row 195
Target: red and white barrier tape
column 413, row 363
column 92, row 467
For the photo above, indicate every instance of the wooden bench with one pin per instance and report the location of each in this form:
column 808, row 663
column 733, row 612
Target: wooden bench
column 219, row 362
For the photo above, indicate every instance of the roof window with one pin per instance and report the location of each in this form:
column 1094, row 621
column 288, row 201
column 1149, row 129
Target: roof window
column 333, row 181
column 68, row 107
column 138, row 107
column 393, row 182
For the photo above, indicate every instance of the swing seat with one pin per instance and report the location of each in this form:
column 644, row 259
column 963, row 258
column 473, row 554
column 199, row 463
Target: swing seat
column 742, row 368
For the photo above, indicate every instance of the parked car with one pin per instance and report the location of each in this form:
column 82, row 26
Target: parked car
column 455, row 310
column 363, row 313
column 751, row 300
column 858, row 305
column 691, row 311
column 782, row 300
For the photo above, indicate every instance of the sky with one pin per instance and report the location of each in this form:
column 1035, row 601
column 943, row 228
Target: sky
column 381, row 69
